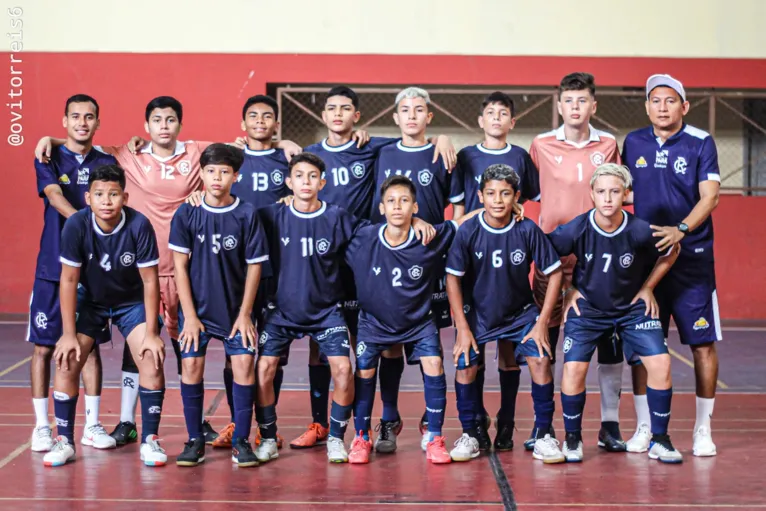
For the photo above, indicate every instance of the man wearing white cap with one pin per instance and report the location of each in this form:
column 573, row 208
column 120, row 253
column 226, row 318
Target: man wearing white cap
column 676, row 184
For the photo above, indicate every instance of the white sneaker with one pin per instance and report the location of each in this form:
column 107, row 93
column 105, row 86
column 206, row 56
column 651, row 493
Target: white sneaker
column 466, row 448
column 547, row 450
column 152, row 454
column 572, row 453
column 703, row 442
column 424, row 441
column 267, row 450
column 641, row 439
column 96, row 436
column 42, row 439
column 61, row 453
column 665, row 452
column 336, row 450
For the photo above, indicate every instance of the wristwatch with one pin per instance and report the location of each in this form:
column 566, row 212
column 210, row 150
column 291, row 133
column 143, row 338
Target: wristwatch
column 683, row 228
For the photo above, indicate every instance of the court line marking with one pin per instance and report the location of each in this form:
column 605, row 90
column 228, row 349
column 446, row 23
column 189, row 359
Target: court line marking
column 14, row 366
column 20, row 449
column 503, row 485
column 691, row 364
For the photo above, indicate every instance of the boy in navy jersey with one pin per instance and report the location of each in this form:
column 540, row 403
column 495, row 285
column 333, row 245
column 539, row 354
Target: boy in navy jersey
column 218, row 249
column 62, row 182
column 497, row 120
column 494, row 251
column 618, row 267
column 676, row 188
column 112, row 251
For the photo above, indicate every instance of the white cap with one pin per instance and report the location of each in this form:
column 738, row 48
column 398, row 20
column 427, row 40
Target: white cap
column 655, row 81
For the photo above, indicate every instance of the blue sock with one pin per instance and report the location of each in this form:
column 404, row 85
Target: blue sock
column 319, row 385
column 466, row 407
column 193, row 397
column 278, row 376
column 436, row 402
column 364, row 399
column 542, row 396
column 65, row 411
column 572, row 407
column 267, row 420
column 659, row 407
column 391, row 370
column 509, row 389
column 244, row 395
column 339, row 417
column 151, row 411
column 481, row 412
column 228, row 383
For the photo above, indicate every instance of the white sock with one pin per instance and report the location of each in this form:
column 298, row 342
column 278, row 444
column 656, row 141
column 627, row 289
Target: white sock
column 129, row 399
column 91, row 410
column 41, row 411
column 704, row 412
column 610, row 383
column 642, row 410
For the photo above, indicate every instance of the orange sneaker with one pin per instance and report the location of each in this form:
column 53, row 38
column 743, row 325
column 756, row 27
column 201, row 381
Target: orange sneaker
column 224, row 437
column 436, row 451
column 280, row 440
column 315, row 435
column 360, row 450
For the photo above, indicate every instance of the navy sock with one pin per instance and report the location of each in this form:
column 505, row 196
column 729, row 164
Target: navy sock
column 391, row 370
column 509, row 389
column 319, row 385
column 572, row 408
column 267, row 420
column 339, row 417
column 542, row 396
column 65, row 411
column 228, row 382
column 151, row 411
column 193, row 397
column 278, row 376
column 244, row 395
column 481, row 412
column 436, row 402
column 659, row 407
column 364, row 399
column 466, row 406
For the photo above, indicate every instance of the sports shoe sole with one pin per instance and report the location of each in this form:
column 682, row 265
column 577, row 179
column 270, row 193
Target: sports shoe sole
column 317, row 444
column 190, row 463
column 549, row 461
column 469, row 458
column 91, row 443
column 245, row 463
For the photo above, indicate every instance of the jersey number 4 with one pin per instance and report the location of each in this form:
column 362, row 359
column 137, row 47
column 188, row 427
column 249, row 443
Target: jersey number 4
column 105, row 264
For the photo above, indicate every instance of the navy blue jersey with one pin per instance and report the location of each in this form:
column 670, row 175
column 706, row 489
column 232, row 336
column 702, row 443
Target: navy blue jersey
column 666, row 178
column 221, row 242
column 611, row 267
column 435, row 188
column 395, row 285
column 490, row 259
column 350, row 173
column 473, row 160
column 109, row 262
column 261, row 179
column 306, row 250
column 71, row 172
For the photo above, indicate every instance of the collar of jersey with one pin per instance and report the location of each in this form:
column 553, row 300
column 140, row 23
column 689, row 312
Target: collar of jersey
column 259, row 153
column 93, row 150
column 492, row 229
column 483, row 149
column 406, row 149
column 592, row 137
column 316, row 213
column 224, row 209
column 382, row 237
column 672, row 139
column 602, row 232
column 337, row 149
column 180, row 149
column 116, row 229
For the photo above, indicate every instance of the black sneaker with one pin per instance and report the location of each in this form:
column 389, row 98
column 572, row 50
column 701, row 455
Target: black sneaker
column 387, row 433
column 423, row 426
column 208, row 432
column 242, row 453
column 504, row 438
column 193, row 453
column 609, row 438
column 482, row 433
column 529, row 443
column 125, row 433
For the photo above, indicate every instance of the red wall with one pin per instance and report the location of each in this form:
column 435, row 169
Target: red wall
column 213, row 88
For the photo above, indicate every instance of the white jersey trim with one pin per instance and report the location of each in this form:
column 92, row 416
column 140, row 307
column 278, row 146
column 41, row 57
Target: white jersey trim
column 67, row 262
column 265, row 152
column 492, row 229
column 337, row 149
column 382, row 238
column 257, row 260
column 316, row 213
column 116, row 229
column 602, row 232
column 714, row 177
column 180, row 149
column 717, row 317
column 176, row 248
column 224, row 209
column 550, row 269
column 505, row 150
column 457, row 198
column 455, row 272
column 406, row 149
column 147, row 264
column 696, row 132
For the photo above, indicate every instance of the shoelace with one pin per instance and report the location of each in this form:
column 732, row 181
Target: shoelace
column 59, row 446
column 97, row 429
column 463, row 441
column 43, row 432
column 154, row 444
column 386, row 429
column 550, row 443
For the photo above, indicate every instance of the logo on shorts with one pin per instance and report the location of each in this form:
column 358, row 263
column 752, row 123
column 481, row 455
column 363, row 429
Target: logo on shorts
column 466, row 309
column 263, row 338
column 425, row 177
column 229, row 242
column 357, row 168
column 127, row 259
column 640, row 162
column 323, row 246
column 184, row 167
column 41, row 321
column 701, row 324
column 277, row 177
column 567, row 344
column 361, row 347
column 597, row 158
column 82, row 176
column 626, row 260
column 649, row 325
column 680, row 165
column 155, row 410
column 415, row 272
column 517, row 257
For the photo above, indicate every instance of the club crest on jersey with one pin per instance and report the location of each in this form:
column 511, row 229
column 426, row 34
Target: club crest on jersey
column 679, row 165
column 41, row 321
column 640, row 162
column 64, row 180
column 567, row 344
column 277, row 177
column 661, row 159
column 597, row 158
column 82, row 176
column 322, row 246
column 357, row 169
column 701, row 324
column 229, row 242
column 517, row 257
column 184, row 167
column 425, row 177
column 127, row 259
column 626, row 260
column 361, row 347
column 415, row 272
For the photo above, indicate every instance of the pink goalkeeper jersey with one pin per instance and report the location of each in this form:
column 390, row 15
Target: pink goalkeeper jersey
column 565, row 170
column 158, row 186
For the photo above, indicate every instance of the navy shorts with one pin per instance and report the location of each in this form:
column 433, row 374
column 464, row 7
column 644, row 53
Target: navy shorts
column 93, row 320
column 231, row 345
column 640, row 334
column 688, row 294
column 515, row 335
column 368, row 353
column 275, row 340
